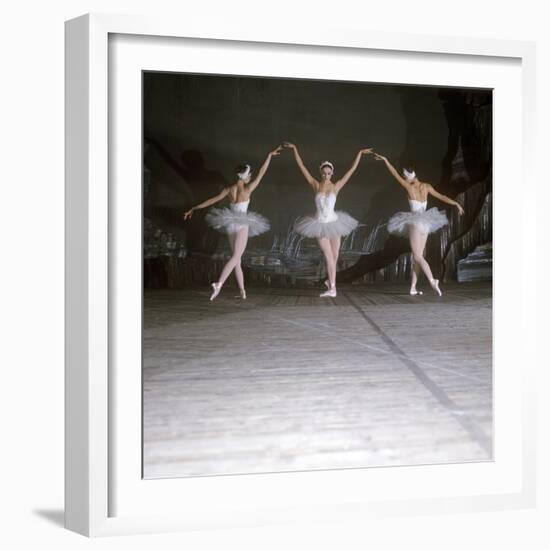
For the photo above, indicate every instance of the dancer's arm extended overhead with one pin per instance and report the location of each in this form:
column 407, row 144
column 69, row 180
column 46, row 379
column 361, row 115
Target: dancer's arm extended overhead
column 344, row 179
column 309, row 178
column 263, row 169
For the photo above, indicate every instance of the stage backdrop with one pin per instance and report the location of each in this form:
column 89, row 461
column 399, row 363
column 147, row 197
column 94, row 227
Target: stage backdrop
column 198, row 128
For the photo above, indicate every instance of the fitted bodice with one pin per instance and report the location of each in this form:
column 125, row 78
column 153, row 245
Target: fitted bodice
column 325, row 207
column 417, row 206
column 241, row 206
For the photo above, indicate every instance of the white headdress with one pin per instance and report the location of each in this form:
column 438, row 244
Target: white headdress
column 409, row 176
column 326, row 163
column 245, row 172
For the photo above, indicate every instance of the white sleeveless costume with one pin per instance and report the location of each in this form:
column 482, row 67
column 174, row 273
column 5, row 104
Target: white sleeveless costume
column 327, row 222
column 427, row 221
column 230, row 220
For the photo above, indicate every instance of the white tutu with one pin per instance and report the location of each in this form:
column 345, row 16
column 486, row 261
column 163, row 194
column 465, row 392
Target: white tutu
column 427, row 221
column 230, row 220
column 310, row 226
column 327, row 222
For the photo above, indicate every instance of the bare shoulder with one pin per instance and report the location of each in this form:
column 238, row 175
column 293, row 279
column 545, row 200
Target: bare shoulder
column 231, row 190
column 427, row 188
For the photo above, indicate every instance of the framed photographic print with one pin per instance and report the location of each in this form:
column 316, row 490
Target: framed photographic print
column 287, row 291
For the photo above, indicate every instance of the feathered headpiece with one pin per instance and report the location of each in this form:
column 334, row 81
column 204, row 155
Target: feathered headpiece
column 409, row 176
column 245, row 172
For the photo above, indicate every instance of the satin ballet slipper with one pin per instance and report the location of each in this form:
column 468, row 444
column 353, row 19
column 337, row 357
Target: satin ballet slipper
column 330, row 293
column 435, row 286
column 242, row 294
column 216, row 290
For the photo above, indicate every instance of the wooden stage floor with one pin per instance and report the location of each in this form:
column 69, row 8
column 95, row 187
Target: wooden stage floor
column 286, row 381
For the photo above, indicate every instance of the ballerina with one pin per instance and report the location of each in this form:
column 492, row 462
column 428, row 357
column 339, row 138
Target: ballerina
column 236, row 221
column 419, row 222
column 327, row 226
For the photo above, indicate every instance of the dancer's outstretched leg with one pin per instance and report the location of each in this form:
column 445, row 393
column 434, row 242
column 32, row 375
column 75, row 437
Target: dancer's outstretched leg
column 414, row 278
column 418, row 240
column 335, row 247
column 239, row 275
column 239, row 246
column 238, row 269
column 326, row 249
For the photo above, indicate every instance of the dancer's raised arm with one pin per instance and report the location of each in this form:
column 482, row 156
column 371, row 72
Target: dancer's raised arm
column 206, row 203
column 344, row 179
column 393, row 171
column 263, row 169
column 444, row 198
column 309, row 178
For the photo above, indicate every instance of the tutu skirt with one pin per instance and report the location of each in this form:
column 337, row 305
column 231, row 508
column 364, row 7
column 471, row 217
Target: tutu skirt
column 311, row 226
column 228, row 221
column 428, row 221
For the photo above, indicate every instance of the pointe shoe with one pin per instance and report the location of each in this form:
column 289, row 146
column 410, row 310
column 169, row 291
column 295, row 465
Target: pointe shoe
column 216, row 290
column 414, row 292
column 330, row 293
column 327, row 284
column 242, row 294
column 435, row 286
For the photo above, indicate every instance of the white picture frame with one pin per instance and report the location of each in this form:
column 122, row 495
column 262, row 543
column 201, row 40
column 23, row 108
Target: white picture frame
column 103, row 493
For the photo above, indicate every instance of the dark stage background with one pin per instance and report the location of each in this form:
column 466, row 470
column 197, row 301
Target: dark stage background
column 197, row 128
